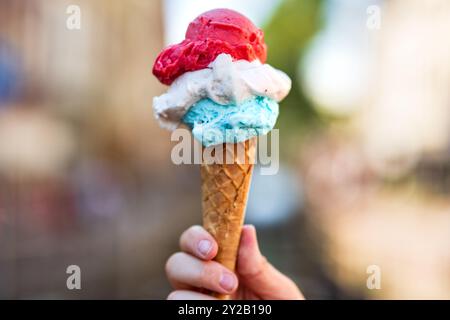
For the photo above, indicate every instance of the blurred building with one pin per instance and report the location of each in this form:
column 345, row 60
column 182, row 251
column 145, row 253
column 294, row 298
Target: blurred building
column 384, row 166
column 74, row 138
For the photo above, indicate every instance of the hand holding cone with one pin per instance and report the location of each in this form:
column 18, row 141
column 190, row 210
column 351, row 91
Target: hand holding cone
column 221, row 88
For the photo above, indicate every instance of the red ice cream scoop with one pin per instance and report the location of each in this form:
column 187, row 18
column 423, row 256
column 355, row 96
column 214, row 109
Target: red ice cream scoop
column 210, row 34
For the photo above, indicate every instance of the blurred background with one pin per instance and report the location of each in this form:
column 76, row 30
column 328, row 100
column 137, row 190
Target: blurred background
column 86, row 176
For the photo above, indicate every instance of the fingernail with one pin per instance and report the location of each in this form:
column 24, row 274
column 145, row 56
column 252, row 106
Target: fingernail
column 204, row 247
column 227, row 281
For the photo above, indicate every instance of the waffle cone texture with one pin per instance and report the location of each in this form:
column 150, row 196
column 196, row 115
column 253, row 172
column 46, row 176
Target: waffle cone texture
column 225, row 188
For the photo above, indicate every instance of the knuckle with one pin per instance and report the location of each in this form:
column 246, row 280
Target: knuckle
column 206, row 274
column 198, row 231
column 195, row 229
column 189, row 234
column 258, row 269
column 210, row 274
column 264, row 262
column 262, row 266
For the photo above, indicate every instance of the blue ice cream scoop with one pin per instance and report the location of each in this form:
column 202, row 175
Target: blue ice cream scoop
column 212, row 123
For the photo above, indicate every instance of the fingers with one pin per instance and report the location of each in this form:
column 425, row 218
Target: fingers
column 192, row 268
column 259, row 275
column 184, row 270
column 188, row 295
column 198, row 242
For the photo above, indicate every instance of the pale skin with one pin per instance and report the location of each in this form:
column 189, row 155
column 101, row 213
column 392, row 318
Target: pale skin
column 192, row 271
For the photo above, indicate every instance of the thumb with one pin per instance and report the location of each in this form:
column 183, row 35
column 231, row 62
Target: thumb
column 258, row 275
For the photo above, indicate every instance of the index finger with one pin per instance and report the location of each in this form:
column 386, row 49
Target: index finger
column 198, row 242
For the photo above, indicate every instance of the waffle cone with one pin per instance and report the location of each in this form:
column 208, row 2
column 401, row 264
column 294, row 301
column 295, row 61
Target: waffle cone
column 224, row 198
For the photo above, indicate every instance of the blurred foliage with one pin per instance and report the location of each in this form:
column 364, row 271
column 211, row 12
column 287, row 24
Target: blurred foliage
column 287, row 35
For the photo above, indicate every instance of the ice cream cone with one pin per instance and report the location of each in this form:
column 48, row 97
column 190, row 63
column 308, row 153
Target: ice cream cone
column 224, row 198
column 219, row 82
